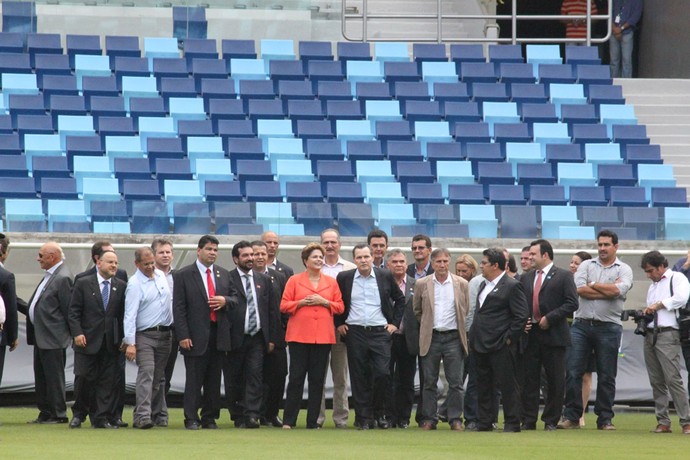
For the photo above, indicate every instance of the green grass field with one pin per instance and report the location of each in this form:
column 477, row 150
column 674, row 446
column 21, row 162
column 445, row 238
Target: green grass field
column 632, row 441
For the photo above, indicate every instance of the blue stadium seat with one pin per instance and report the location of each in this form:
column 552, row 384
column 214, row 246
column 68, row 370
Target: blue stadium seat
column 364, row 71
column 630, row 134
column 266, row 109
column 371, row 90
column 319, row 71
column 453, row 172
column 490, row 92
column 226, row 109
column 123, row 146
column 160, row 47
column 248, row 69
column 199, row 48
column 603, row 153
column 290, row 90
column 631, row 196
column 408, row 230
column 667, row 197
column 382, row 110
column 528, row 93
column 48, row 167
column 126, row 46
column 647, row 221
column 114, row 126
column 543, row 54
column 575, row 174
column 222, row 191
column 556, row 73
column 439, row 72
column 485, row 152
column 43, row 43
column 391, row 51
column 56, row 187
column 254, row 170
column 553, row 217
column 593, row 74
column 314, row 129
column 389, row 214
column 177, row 87
column 212, row 88
column 99, row 189
column 303, row 192
column 445, row 92
column 90, row 166
column 191, row 218
column 383, row 192
column 354, row 219
column 589, row 133
column 240, row 229
column 405, row 91
column 518, row 221
column 443, row 151
column 109, row 106
column 87, row 65
column 15, row 63
column 588, row 196
column 205, row 169
column 600, row 217
column 615, row 174
column 576, row 55
column 348, row 51
column 473, row 72
column 315, row 50
column 274, row 213
column 244, row 49
column 59, row 85
column 280, row 70
column 516, row 73
column 324, row 149
column 209, row 69
column 566, row 232
column 150, row 217
column 24, row 215
column 519, row 152
column 334, row 171
column 171, row 169
column 490, row 173
column 563, row 153
column 605, row 94
column 354, row 130
column 176, row 191
column 131, row 168
column 616, row 114
column 535, row 173
column 505, row 53
column 425, row 193
column 676, row 221
column 550, row 133
column 467, row 53
column 14, row 166
column 432, row 214
column 540, row 195
column 12, row 42
column 578, row 113
column 401, row 72
column 462, row 112
column 432, row 131
column 423, row 111
column 147, row 107
column 277, row 49
column 344, row 110
column 109, row 211
column 292, row 171
column 164, row 148
column 481, row 220
column 344, row 192
column 244, row 148
column 235, row 128
column 511, row 132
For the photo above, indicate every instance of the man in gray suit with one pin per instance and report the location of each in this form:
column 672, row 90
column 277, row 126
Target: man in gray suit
column 47, row 329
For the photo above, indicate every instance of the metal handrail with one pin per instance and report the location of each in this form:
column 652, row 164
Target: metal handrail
column 365, row 16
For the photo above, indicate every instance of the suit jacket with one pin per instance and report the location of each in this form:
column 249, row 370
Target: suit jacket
column 392, row 299
column 88, row 316
column 311, row 324
column 410, row 322
column 50, row 328
column 502, row 319
column 192, row 313
column 267, row 306
column 121, row 274
column 284, row 269
column 557, row 300
column 278, row 280
column 8, row 291
column 424, row 306
column 412, row 269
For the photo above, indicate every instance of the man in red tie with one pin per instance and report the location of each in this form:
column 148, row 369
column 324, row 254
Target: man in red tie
column 552, row 296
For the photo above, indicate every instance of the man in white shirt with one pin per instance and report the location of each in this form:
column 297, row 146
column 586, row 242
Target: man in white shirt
column 665, row 296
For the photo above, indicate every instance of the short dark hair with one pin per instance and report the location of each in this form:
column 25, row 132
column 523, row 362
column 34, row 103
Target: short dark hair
column 654, row 259
column 527, row 248
column 4, row 244
column 439, row 251
column 160, row 242
column 259, row 243
column 495, row 256
column 583, row 255
column 204, row 240
column 544, row 247
column 512, row 265
column 608, row 234
column 420, row 237
column 97, row 249
column 376, row 233
column 360, row 246
column 140, row 252
column 308, row 249
column 240, row 245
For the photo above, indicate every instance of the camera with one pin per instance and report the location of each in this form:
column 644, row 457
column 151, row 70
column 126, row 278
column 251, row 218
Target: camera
column 641, row 320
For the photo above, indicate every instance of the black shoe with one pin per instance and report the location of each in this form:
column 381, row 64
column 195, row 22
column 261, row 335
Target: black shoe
column 145, row 425
column 161, row 423
column 276, row 422
column 50, row 420
column 383, row 423
column 529, row 426
column 363, row 426
column 263, row 421
column 119, row 423
column 76, row 422
column 251, row 423
column 209, row 426
column 192, row 425
column 471, row 426
column 404, row 425
column 442, row 418
column 549, row 427
column 106, row 425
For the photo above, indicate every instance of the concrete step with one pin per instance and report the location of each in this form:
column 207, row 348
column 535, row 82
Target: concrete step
column 667, row 129
column 664, row 119
column 653, row 86
column 677, row 150
column 670, row 139
column 657, row 99
column 652, row 110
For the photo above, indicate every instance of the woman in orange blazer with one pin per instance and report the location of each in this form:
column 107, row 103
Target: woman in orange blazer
column 310, row 299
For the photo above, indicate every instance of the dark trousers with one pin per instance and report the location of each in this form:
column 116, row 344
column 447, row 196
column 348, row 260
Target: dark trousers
column 203, row 372
column 95, row 388
column 552, row 359
column 305, row 359
column 497, row 370
column 119, row 399
column 446, row 347
column 368, row 358
column 49, row 375
column 399, row 393
column 685, row 346
column 243, row 375
column 3, row 349
column 470, row 406
column 420, row 405
column 275, row 372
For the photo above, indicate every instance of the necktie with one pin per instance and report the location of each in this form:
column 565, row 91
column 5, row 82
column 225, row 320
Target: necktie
column 211, row 291
column 105, row 293
column 402, row 288
column 480, row 299
column 536, row 314
column 251, row 307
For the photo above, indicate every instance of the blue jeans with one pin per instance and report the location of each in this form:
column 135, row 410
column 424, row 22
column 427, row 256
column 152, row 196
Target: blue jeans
column 604, row 338
column 620, row 52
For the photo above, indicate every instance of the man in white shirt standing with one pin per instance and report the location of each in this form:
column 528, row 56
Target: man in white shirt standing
column 665, row 296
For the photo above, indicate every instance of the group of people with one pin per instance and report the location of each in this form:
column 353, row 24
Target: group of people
column 500, row 337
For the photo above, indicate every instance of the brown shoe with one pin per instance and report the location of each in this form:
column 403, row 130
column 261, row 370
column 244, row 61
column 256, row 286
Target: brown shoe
column 662, row 429
column 427, row 426
column 457, row 426
column 686, row 429
column 606, row 427
column 568, row 425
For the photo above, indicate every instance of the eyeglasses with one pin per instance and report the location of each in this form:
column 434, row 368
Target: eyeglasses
column 418, row 248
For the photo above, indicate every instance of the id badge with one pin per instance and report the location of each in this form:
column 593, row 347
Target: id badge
column 617, row 20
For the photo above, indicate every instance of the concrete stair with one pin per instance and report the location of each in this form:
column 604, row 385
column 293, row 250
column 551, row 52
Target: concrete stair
column 664, row 106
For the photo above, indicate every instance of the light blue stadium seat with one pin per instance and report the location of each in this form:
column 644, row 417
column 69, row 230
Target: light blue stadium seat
column 567, row 232
column 278, row 148
column 204, row 147
column 655, row 175
column 274, row 213
column 138, row 87
column 354, row 130
column 481, row 220
column 65, row 211
column 17, row 83
column 553, row 217
column 550, row 133
column 23, row 210
column 211, row 169
column 543, row 54
column 293, row 171
column 277, row 49
column 160, row 47
column 374, row 171
column 91, row 65
column 176, row 191
column 186, row 108
column 616, row 114
column 389, row 214
column 287, row 229
column 499, row 112
column 453, row 172
column 99, row 189
column 156, row 127
column 439, row 72
column 247, row 69
column 41, row 145
column 75, row 125
column 87, row 166
column 562, row 93
column 364, row 71
column 274, row 128
column 382, row 110
column 391, row 51
column 123, row 147
column 603, row 154
column 577, row 174
column 676, row 223
column 111, row 227
column 521, row 152
column 431, row 131
column 383, row 192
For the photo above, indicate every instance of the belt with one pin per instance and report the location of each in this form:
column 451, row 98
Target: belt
column 663, row 329
column 368, row 328
column 451, row 331
column 158, row 329
column 591, row 322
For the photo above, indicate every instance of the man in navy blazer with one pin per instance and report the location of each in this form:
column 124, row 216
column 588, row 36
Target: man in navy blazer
column 551, row 292
column 498, row 324
column 8, row 292
column 374, row 306
column 253, row 323
column 96, row 312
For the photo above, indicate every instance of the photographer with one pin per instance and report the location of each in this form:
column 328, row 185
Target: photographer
column 667, row 294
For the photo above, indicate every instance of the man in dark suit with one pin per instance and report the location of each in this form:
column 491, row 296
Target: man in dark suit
column 275, row 363
column 399, row 395
column 8, row 292
column 272, row 244
column 378, row 242
column 95, row 318
column 97, row 249
column 47, row 329
column 421, row 251
column 374, row 307
column 553, row 297
column 498, row 324
column 202, row 294
column 252, row 333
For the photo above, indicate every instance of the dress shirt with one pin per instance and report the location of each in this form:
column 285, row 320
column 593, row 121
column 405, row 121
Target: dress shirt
column 474, row 294
column 417, row 273
column 544, row 272
column 490, row 285
column 3, row 315
column 243, row 277
column 202, row 271
column 148, row 303
column 365, row 303
column 608, row 310
column 339, row 266
column 41, row 286
column 661, row 292
column 445, row 318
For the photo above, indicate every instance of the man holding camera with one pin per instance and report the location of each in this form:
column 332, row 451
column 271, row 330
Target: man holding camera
column 602, row 284
column 665, row 296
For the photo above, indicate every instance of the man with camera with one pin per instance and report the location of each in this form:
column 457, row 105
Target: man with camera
column 668, row 293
